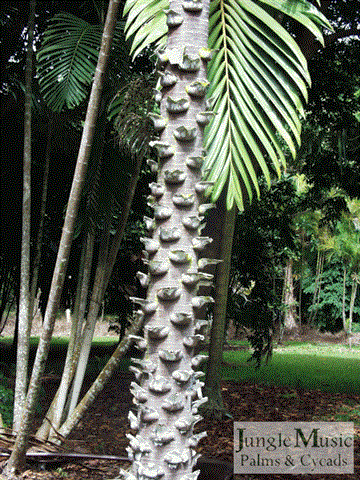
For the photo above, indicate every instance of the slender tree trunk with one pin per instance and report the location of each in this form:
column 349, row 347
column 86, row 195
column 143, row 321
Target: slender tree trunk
column 56, row 410
column 22, row 357
column 101, row 380
column 92, row 316
column 59, row 402
column 302, row 236
column 289, row 302
column 39, row 240
column 16, row 460
column 215, row 406
column 354, row 287
column 343, row 309
column 317, row 288
column 169, row 391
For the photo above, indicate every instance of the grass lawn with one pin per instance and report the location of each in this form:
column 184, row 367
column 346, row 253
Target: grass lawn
column 327, row 367
column 334, row 368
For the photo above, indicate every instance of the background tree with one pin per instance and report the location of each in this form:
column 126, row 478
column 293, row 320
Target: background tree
column 344, row 243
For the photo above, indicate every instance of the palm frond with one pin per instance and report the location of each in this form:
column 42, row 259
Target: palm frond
column 304, row 12
column 129, row 110
column 258, row 84
column 67, row 60
column 146, row 22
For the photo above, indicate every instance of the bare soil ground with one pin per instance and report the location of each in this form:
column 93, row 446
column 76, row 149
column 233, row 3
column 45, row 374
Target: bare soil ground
column 61, row 329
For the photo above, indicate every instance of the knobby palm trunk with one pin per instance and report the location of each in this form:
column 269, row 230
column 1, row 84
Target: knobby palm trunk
column 168, row 393
column 16, row 461
column 24, row 325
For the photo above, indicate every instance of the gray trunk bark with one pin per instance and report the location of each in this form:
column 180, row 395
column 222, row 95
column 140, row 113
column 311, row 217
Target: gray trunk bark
column 94, row 306
column 168, row 393
column 101, row 380
column 24, row 325
column 343, row 309
column 354, row 287
column 289, row 302
column 56, row 410
column 317, row 289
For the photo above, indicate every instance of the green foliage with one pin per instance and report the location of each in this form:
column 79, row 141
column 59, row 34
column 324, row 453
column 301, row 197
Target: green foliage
column 263, row 232
column 329, row 308
column 258, row 82
column 356, row 326
column 146, row 22
column 67, row 59
column 6, row 401
column 345, row 244
column 331, row 131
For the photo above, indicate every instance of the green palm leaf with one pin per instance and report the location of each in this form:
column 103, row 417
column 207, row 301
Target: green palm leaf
column 146, row 22
column 259, row 81
column 304, row 12
column 67, row 60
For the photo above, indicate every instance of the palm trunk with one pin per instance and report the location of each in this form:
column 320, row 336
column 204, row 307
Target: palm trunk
column 289, row 302
column 24, row 325
column 354, row 286
column 343, row 307
column 302, row 235
column 39, row 240
column 56, row 410
column 92, row 316
column 317, row 289
column 215, row 406
column 169, row 391
column 101, row 380
column 59, row 402
column 16, row 460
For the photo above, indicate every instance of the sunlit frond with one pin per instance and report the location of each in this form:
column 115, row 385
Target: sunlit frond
column 146, row 23
column 259, row 82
